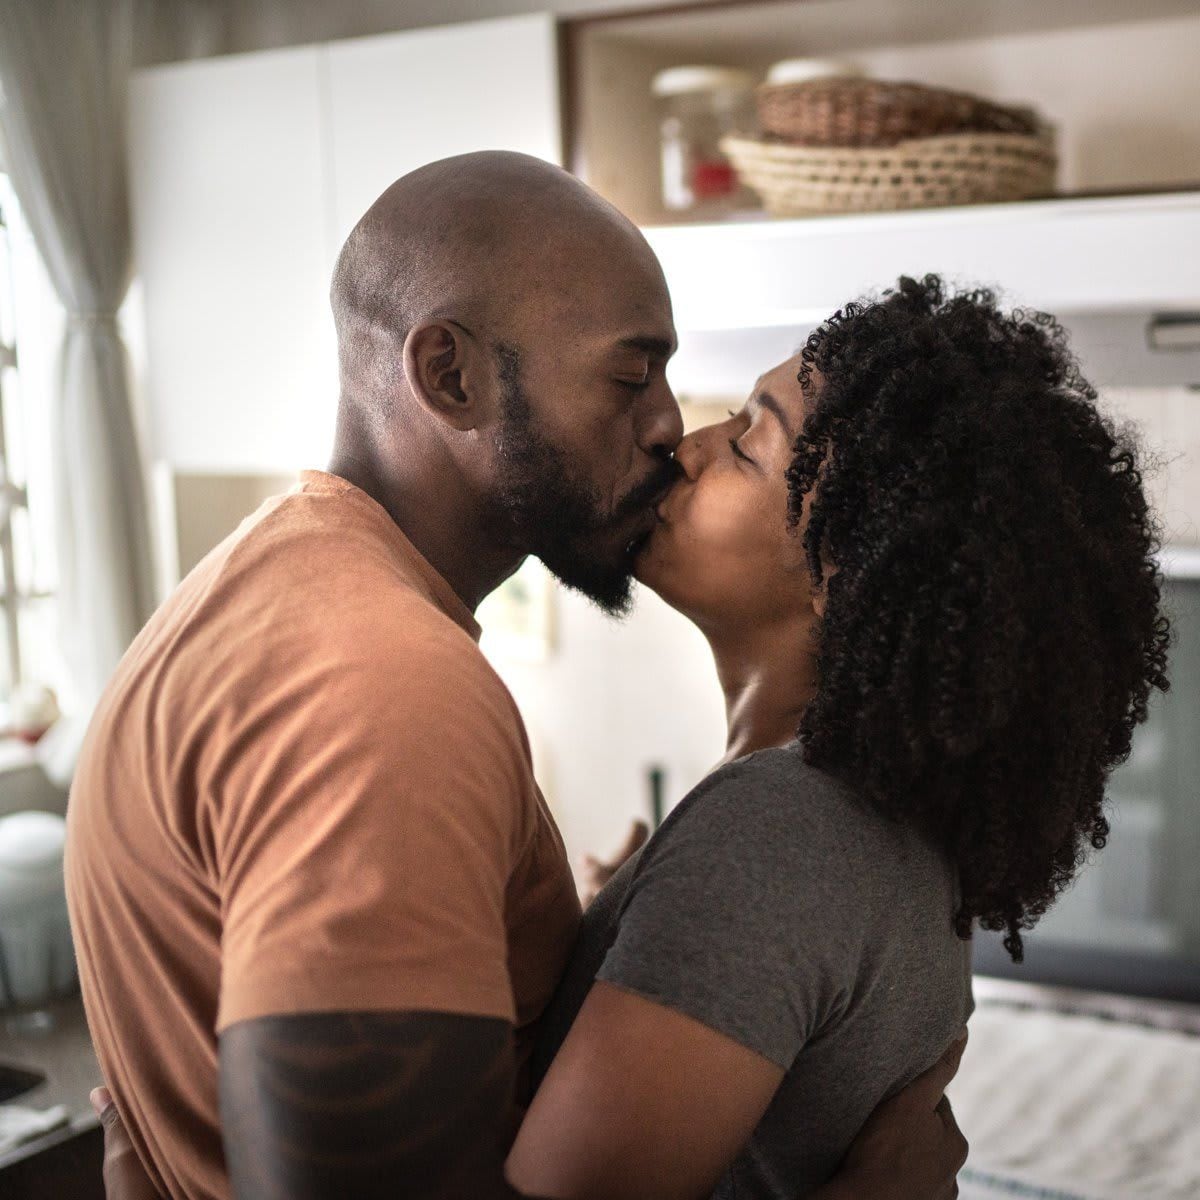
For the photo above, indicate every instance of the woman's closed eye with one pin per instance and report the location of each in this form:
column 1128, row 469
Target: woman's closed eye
column 739, row 452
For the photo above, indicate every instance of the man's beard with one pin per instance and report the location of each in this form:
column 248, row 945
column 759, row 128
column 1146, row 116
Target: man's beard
column 556, row 516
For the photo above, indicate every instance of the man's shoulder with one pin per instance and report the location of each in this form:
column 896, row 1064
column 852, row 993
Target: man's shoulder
column 311, row 576
column 304, row 620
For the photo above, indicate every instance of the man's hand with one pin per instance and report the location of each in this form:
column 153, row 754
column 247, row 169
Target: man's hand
column 910, row 1148
column 592, row 874
column 124, row 1176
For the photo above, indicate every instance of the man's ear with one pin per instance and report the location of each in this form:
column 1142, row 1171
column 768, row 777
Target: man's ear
column 442, row 370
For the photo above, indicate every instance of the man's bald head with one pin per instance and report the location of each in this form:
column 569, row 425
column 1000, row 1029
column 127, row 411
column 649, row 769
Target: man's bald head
column 488, row 239
column 503, row 335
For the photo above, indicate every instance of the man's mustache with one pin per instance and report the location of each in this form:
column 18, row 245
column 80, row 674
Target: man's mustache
column 647, row 493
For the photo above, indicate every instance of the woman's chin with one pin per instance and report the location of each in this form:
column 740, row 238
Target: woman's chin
column 659, row 571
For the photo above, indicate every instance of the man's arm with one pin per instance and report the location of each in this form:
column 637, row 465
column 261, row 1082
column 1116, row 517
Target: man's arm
column 366, row 1004
column 371, row 1105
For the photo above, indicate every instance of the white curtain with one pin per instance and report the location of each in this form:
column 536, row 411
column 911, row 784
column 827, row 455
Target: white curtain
column 64, row 70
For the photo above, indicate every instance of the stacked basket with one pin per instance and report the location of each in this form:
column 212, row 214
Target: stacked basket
column 840, row 144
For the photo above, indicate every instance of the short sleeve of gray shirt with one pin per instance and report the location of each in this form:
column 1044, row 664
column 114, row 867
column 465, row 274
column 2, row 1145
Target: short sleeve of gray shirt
column 737, row 913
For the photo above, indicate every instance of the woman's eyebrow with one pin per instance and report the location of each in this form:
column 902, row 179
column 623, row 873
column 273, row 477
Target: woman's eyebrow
column 767, row 401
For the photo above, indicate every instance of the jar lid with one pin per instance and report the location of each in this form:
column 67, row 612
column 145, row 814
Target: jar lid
column 681, row 81
column 804, row 70
column 31, row 841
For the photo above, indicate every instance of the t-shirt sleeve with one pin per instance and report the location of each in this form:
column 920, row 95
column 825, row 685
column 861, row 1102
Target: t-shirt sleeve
column 723, row 918
column 364, row 838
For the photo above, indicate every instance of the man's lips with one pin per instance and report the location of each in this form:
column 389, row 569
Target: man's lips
column 637, row 543
column 650, row 516
column 660, row 508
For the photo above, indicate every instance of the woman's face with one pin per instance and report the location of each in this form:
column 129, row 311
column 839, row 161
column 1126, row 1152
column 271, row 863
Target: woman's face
column 722, row 553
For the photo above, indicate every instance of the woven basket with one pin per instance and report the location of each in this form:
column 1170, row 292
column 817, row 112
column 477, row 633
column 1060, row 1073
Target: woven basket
column 973, row 168
column 873, row 112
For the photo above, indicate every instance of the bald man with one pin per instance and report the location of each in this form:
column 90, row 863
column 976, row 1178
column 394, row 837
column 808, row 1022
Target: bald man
column 318, row 899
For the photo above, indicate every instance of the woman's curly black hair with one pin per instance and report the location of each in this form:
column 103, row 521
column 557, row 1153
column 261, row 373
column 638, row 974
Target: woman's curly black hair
column 992, row 628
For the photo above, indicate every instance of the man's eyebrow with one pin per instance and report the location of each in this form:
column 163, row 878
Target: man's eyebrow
column 767, row 401
column 648, row 343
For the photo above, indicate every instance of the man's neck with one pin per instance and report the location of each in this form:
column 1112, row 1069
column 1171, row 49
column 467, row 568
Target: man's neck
column 447, row 531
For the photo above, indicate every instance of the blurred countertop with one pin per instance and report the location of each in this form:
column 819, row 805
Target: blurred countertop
column 53, row 1040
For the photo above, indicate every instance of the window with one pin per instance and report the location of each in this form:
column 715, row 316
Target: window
column 29, row 319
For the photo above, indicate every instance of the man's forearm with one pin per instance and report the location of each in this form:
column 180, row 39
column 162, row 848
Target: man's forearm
column 370, row 1105
column 838, row 1189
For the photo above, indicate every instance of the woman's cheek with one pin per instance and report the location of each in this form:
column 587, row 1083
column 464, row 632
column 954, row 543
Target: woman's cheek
column 733, row 522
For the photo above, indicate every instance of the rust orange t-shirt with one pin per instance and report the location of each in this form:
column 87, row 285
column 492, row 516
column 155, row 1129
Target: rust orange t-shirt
column 304, row 790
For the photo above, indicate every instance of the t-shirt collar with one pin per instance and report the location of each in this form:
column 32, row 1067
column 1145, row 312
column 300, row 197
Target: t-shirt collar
column 440, row 591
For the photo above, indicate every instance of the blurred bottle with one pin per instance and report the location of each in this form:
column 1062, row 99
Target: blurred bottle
column 700, row 105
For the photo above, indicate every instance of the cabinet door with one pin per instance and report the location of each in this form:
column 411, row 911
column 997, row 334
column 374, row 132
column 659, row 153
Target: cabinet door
column 405, row 99
column 248, row 172
column 230, row 217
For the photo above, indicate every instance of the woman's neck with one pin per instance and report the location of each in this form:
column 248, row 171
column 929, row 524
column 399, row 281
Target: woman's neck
column 768, row 678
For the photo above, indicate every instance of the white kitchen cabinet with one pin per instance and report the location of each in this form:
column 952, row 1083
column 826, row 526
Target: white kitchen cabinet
column 404, row 99
column 228, row 169
column 247, row 173
column 746, row 293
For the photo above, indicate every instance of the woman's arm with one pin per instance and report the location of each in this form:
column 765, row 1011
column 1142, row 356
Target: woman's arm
column 640, row 1102
column 644, row 1103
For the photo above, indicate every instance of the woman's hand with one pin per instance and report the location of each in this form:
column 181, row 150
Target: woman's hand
column 591, row 874
column 124, row 1176
column 910, row 1148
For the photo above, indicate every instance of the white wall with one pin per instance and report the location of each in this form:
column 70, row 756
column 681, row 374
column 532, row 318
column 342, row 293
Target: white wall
column 613, row 699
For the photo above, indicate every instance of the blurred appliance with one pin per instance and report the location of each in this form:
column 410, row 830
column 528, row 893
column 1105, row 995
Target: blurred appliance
column 1131, row 921
column 37, row 961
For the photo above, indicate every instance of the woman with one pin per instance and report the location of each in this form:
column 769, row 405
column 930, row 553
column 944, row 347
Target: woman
column 925, row 567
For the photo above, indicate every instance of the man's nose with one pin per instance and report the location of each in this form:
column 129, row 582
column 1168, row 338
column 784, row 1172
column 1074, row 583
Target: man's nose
column 662, row 428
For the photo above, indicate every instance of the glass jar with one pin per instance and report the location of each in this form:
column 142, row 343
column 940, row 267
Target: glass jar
column 700, row 106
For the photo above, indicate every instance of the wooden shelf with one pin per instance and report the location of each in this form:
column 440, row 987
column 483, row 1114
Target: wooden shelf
column 1116, row 78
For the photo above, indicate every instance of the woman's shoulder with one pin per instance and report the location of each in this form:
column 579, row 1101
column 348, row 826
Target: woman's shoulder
column 772, row 812
column 758, row 794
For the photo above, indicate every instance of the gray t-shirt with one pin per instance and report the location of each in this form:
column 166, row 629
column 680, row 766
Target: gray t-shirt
column 774, row 906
